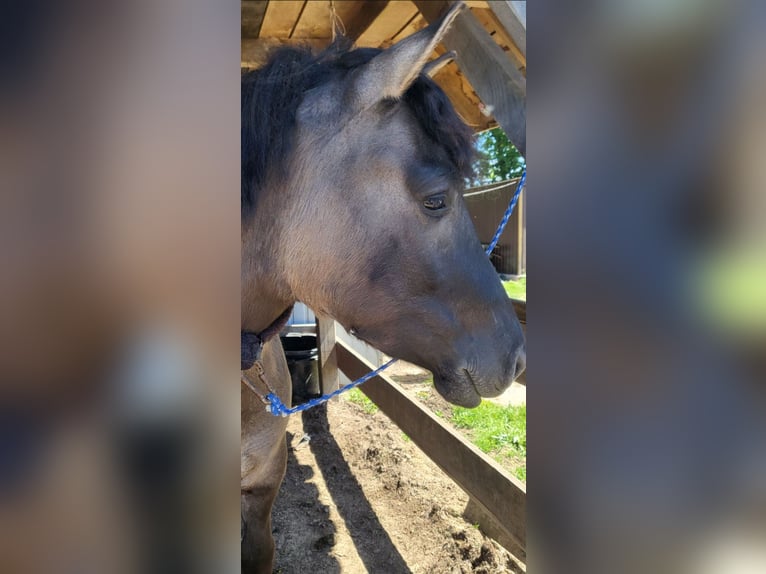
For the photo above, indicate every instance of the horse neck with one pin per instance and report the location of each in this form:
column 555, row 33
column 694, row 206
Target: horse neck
column 265, row 293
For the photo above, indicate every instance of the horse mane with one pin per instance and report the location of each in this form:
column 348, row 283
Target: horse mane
column 271, row 96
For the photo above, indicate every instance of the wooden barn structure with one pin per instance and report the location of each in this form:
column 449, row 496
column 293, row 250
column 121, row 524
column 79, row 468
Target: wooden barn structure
column 487, row 86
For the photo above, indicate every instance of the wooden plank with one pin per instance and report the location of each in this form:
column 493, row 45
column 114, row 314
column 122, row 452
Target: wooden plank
column 315, row 21
column 357, row 23
column 489, row 69
column 498, row 33
column 391, row 20
column 353, row 13
column 476, row 513
column 256, row 51
column 280, row 18
column 513, row 17
column 329, row 379
column 251, row 17
column 480, row 476
column 463, row 98
column 416, row 23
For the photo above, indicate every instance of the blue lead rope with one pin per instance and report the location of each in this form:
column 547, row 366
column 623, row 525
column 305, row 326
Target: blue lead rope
column 277, row 408
column 507, row 214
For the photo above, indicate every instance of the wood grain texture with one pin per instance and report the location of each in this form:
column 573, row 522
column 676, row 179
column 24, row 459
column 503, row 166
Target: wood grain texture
column 392, row 19
column 463, row 97
column 329, row 379
column 480, row 476
column 280, row 18
column 513, row 17
column 255, row 51
column 488, row 68
column 315, row 21
column 251, row 17
column 498, row 33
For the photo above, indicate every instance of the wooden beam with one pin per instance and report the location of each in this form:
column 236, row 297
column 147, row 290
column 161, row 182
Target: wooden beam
column 392, row 19
column 476, row 513
column 329, row 378
column 357, row 23
column 315, row 21
column 255, row 52
column 480, row 476
column 252, row 17
column 416, row 23
column 352, row 14
column 463, row 98
column 491, row 73
column 513, row 17
column 280, row 18
column 489, row 21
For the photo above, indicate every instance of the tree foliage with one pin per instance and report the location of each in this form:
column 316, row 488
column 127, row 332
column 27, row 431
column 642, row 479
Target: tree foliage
column 498, row 160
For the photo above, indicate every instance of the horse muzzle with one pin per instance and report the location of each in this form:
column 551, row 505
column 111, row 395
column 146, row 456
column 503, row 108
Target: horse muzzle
column 466, row 385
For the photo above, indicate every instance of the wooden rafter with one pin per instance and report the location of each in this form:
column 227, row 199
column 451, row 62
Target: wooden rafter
column 500, row 85
column 390, row 21
column 255, row 51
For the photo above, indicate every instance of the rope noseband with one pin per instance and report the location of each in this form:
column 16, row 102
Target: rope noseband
column 251, row 350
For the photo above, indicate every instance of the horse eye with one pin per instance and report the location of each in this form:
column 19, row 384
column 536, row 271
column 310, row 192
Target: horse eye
column 435, row 202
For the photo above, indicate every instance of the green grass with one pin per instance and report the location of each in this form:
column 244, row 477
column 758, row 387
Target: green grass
column 498, row 431
column 731, row 291
column 516, row 289
column 358, row 397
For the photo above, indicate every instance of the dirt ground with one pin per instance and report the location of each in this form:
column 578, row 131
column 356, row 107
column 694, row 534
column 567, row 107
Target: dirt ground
column 360, row 497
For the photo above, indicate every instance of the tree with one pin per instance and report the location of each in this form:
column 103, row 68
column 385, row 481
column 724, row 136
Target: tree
column 499, row 160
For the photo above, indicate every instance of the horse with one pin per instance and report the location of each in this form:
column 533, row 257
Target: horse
column 353, row 162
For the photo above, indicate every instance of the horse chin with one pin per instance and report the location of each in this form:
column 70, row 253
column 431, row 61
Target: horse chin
column 458, row 390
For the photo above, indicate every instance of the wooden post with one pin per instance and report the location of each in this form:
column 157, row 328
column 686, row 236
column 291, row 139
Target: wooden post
column 513, row 17
column 328, row 362
column 488, row 68
column 476, row 513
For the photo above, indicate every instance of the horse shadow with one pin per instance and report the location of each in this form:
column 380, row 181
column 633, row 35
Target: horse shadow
column 373, row 544
column 303, row 533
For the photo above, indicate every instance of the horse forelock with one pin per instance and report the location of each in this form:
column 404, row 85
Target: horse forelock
column 272, row 94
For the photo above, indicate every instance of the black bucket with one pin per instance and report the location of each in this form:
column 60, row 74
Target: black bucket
column 303, row 361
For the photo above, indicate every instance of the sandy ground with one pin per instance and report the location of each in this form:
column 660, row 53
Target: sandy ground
column 360, row 497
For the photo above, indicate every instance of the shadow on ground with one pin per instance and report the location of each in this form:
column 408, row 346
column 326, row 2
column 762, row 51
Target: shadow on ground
column 304, row 533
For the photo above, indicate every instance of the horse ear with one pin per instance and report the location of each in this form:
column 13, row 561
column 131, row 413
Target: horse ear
column 433, row 67
column 390, row 73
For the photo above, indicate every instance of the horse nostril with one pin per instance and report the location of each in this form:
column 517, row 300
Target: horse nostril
column 520, row 365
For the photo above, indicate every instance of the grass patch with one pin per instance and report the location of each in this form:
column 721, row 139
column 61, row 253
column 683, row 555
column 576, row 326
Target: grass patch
column 516, row 289
column 500, row 431
column 359, row 398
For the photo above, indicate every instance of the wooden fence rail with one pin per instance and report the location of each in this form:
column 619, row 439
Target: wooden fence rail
column 497, row 499
column 500, row 496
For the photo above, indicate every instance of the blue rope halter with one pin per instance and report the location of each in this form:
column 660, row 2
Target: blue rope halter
column 277, row 408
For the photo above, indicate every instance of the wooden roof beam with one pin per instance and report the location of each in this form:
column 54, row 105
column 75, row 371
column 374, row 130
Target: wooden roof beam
column 360, row 22
column 488, row 68
column 513, row 17
column 251, row 15
column 255, row 51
